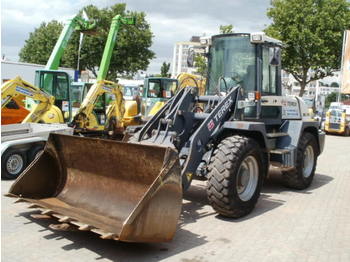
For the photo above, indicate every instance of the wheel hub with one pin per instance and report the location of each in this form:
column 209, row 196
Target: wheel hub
column 309, row 158
column 14, row 164
column 247, row 178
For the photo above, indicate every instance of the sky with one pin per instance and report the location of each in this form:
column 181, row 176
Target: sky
column 171, row 21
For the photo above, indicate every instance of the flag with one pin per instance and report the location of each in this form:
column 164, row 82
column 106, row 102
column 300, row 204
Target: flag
column 345, row 74
column 85, row 17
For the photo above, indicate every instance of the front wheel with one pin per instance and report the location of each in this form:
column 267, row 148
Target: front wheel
column 13, row 162
column 303, row 174
column 235, row 176
column 347, row 131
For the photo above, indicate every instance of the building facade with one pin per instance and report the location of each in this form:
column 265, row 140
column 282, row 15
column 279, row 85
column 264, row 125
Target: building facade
column 180, row 55
column 316, row 88
column 26, row 71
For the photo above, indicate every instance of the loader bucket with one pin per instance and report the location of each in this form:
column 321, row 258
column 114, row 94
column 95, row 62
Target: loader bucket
column 122, row 191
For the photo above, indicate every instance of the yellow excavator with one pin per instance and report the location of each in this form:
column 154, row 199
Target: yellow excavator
column 47, row 109
column 56, row 103
column 86, row 118
column 186, row 79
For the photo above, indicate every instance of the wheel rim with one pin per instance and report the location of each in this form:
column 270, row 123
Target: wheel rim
column 14, row 164
column 247, row 178
column 308, row 161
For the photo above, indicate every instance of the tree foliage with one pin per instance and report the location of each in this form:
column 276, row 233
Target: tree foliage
column 201, row 64
column 131, row 52
column 39, row 45
column 226, row 29
column 332, row 97
column 312, row 32
column 164, row 70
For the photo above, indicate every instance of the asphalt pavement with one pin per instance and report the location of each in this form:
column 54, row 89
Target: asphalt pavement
column 286, row 225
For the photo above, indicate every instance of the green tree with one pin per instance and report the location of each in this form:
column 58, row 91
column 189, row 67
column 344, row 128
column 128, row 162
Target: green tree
column 332, row 97
column 312, row 33
column 38, row 46
column 201, row 64
column 130, row 54
column 226, row 29
column 164, row 70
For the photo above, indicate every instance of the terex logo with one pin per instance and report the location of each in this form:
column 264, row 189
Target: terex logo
column 211, row 125
column 223, row 109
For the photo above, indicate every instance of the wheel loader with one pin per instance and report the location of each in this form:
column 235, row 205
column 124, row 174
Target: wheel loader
column 132, row 191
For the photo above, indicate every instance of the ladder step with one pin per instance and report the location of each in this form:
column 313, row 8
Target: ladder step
column 280, row 151
column 277, row 134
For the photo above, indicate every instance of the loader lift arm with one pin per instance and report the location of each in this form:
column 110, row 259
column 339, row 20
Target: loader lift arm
column 178, row 125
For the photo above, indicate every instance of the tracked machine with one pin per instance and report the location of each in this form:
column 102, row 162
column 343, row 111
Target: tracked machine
column 132, row 191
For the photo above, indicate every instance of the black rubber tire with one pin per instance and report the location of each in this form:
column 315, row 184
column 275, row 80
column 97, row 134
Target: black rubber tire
column 347, row 131
column 222, row 174
column 34, row 151
column 294, row 178
column 4, row 158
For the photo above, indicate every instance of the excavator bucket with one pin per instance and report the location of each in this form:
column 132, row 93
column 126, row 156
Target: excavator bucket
column 122, row 191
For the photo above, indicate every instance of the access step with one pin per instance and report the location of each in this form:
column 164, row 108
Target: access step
column 284, row 156
column 280, row 151
column 276, row 134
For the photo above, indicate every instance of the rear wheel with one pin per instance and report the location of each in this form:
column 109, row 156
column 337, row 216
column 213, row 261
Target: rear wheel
column 302, row 176
column 13, row 162
column 347, row 131
column 235, row 176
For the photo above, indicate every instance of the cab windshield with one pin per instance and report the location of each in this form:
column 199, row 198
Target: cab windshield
column 231, row 62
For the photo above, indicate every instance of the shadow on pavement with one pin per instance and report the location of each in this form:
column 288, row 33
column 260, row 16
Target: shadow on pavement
column 121, row 251
column 198, row 199
column 195, row 207
column 274, row 184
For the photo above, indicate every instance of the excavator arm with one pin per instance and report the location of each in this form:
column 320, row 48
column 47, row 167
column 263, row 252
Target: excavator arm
column 17, row 87
column 85, row 118
column 186, row 79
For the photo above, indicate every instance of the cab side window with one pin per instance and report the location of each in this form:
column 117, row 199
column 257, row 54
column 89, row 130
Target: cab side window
column 269, row 74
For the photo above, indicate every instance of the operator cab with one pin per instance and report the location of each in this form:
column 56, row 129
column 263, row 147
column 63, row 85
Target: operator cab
column 157, row 90
column 78, row 92
column 57, row 84
column 251, row 61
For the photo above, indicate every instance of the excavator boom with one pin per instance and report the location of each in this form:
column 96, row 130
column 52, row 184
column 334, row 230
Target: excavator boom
column 18, row 87
column 84, row 116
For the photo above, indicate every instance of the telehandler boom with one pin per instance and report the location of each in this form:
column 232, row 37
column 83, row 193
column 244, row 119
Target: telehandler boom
column 230, row 137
